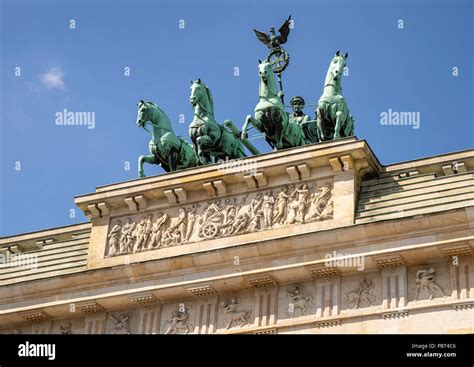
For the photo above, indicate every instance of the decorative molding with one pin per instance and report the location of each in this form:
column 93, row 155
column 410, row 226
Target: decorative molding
column 271, row 331
column 336, row 164
column 144, row 298
column 347, row 162
column 202, row 291
column 89, row 307
column 322, row 271
column 250, row 180
column 261, row 281
column 463, row 306
column 398, row 314
column 35, row 315
column 262, row 179
column 132, row 205
column 94, row 210
column 293, row 173
column 210, row 189
column 181, row 194
column 220, row 186
column 304, row 170
column 170, row 195
column 142, row 202
column 460, row 250
column 328, row 323
column 104, row 208
column 388, row 261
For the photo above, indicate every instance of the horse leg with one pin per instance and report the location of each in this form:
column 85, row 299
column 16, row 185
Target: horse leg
column 245, row 128
column 172, row 162
column 150, row 159
column 339, row 120
column 319, row 125
column 203, row 143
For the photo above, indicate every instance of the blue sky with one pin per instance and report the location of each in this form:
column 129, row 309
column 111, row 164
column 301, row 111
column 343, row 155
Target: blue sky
column 82, row 69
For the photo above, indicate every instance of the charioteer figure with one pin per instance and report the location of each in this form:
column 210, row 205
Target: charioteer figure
column 298, row 116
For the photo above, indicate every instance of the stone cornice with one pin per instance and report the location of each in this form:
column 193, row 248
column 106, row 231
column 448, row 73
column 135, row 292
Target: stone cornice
column 270, row 164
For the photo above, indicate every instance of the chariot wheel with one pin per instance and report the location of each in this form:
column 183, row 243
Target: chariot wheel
column 210, row 230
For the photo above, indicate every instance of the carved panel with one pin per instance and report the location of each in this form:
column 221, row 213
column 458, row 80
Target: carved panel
column 279, row 207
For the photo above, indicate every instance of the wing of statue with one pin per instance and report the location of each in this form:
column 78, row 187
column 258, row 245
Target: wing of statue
column 284, row 31
column 263, row 37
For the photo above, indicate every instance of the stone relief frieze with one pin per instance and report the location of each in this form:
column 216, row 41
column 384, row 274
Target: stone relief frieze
column 66, row 329
column 235, row 314
column 178, row 323
column 425, row 279
column 121, row 324
column 362, row 296
column 287, row 205
column 299, row 304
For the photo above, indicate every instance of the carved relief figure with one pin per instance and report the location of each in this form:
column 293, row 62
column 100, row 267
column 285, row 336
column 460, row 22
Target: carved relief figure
column 298, row 301
column 255, row 222
column 235, row 317
column 321, row 206
column 157, row 230
column 362, row 295
column 141, row 234
column 425, row 280
column 182, row 224
column 114, row 238
column 256, row 203
column 229, row 216
column 178, row 322
column 191, row 221
column 282, row 203
column 66, row 329
column 303, row 194
column 121, row 325
column 292, row 212
column 127, row 238
column 268, row 203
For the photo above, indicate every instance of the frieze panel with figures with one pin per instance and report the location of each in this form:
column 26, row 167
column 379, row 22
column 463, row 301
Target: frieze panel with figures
column 283, row 206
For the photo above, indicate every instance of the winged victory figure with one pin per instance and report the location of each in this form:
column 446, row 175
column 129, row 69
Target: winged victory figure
column 273, row 41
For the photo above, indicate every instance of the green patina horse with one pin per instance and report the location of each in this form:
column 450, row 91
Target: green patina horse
column 166, row 149
column 210, row 140
column 333, row 118
column 270, row 116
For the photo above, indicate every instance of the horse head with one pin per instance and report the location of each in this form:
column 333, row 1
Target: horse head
column 201, row 96
column 265, row 70
column 267, row 78
column 143, row 113
column 337, row 65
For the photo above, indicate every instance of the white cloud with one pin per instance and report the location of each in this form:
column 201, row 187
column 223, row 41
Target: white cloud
column 53, row 78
